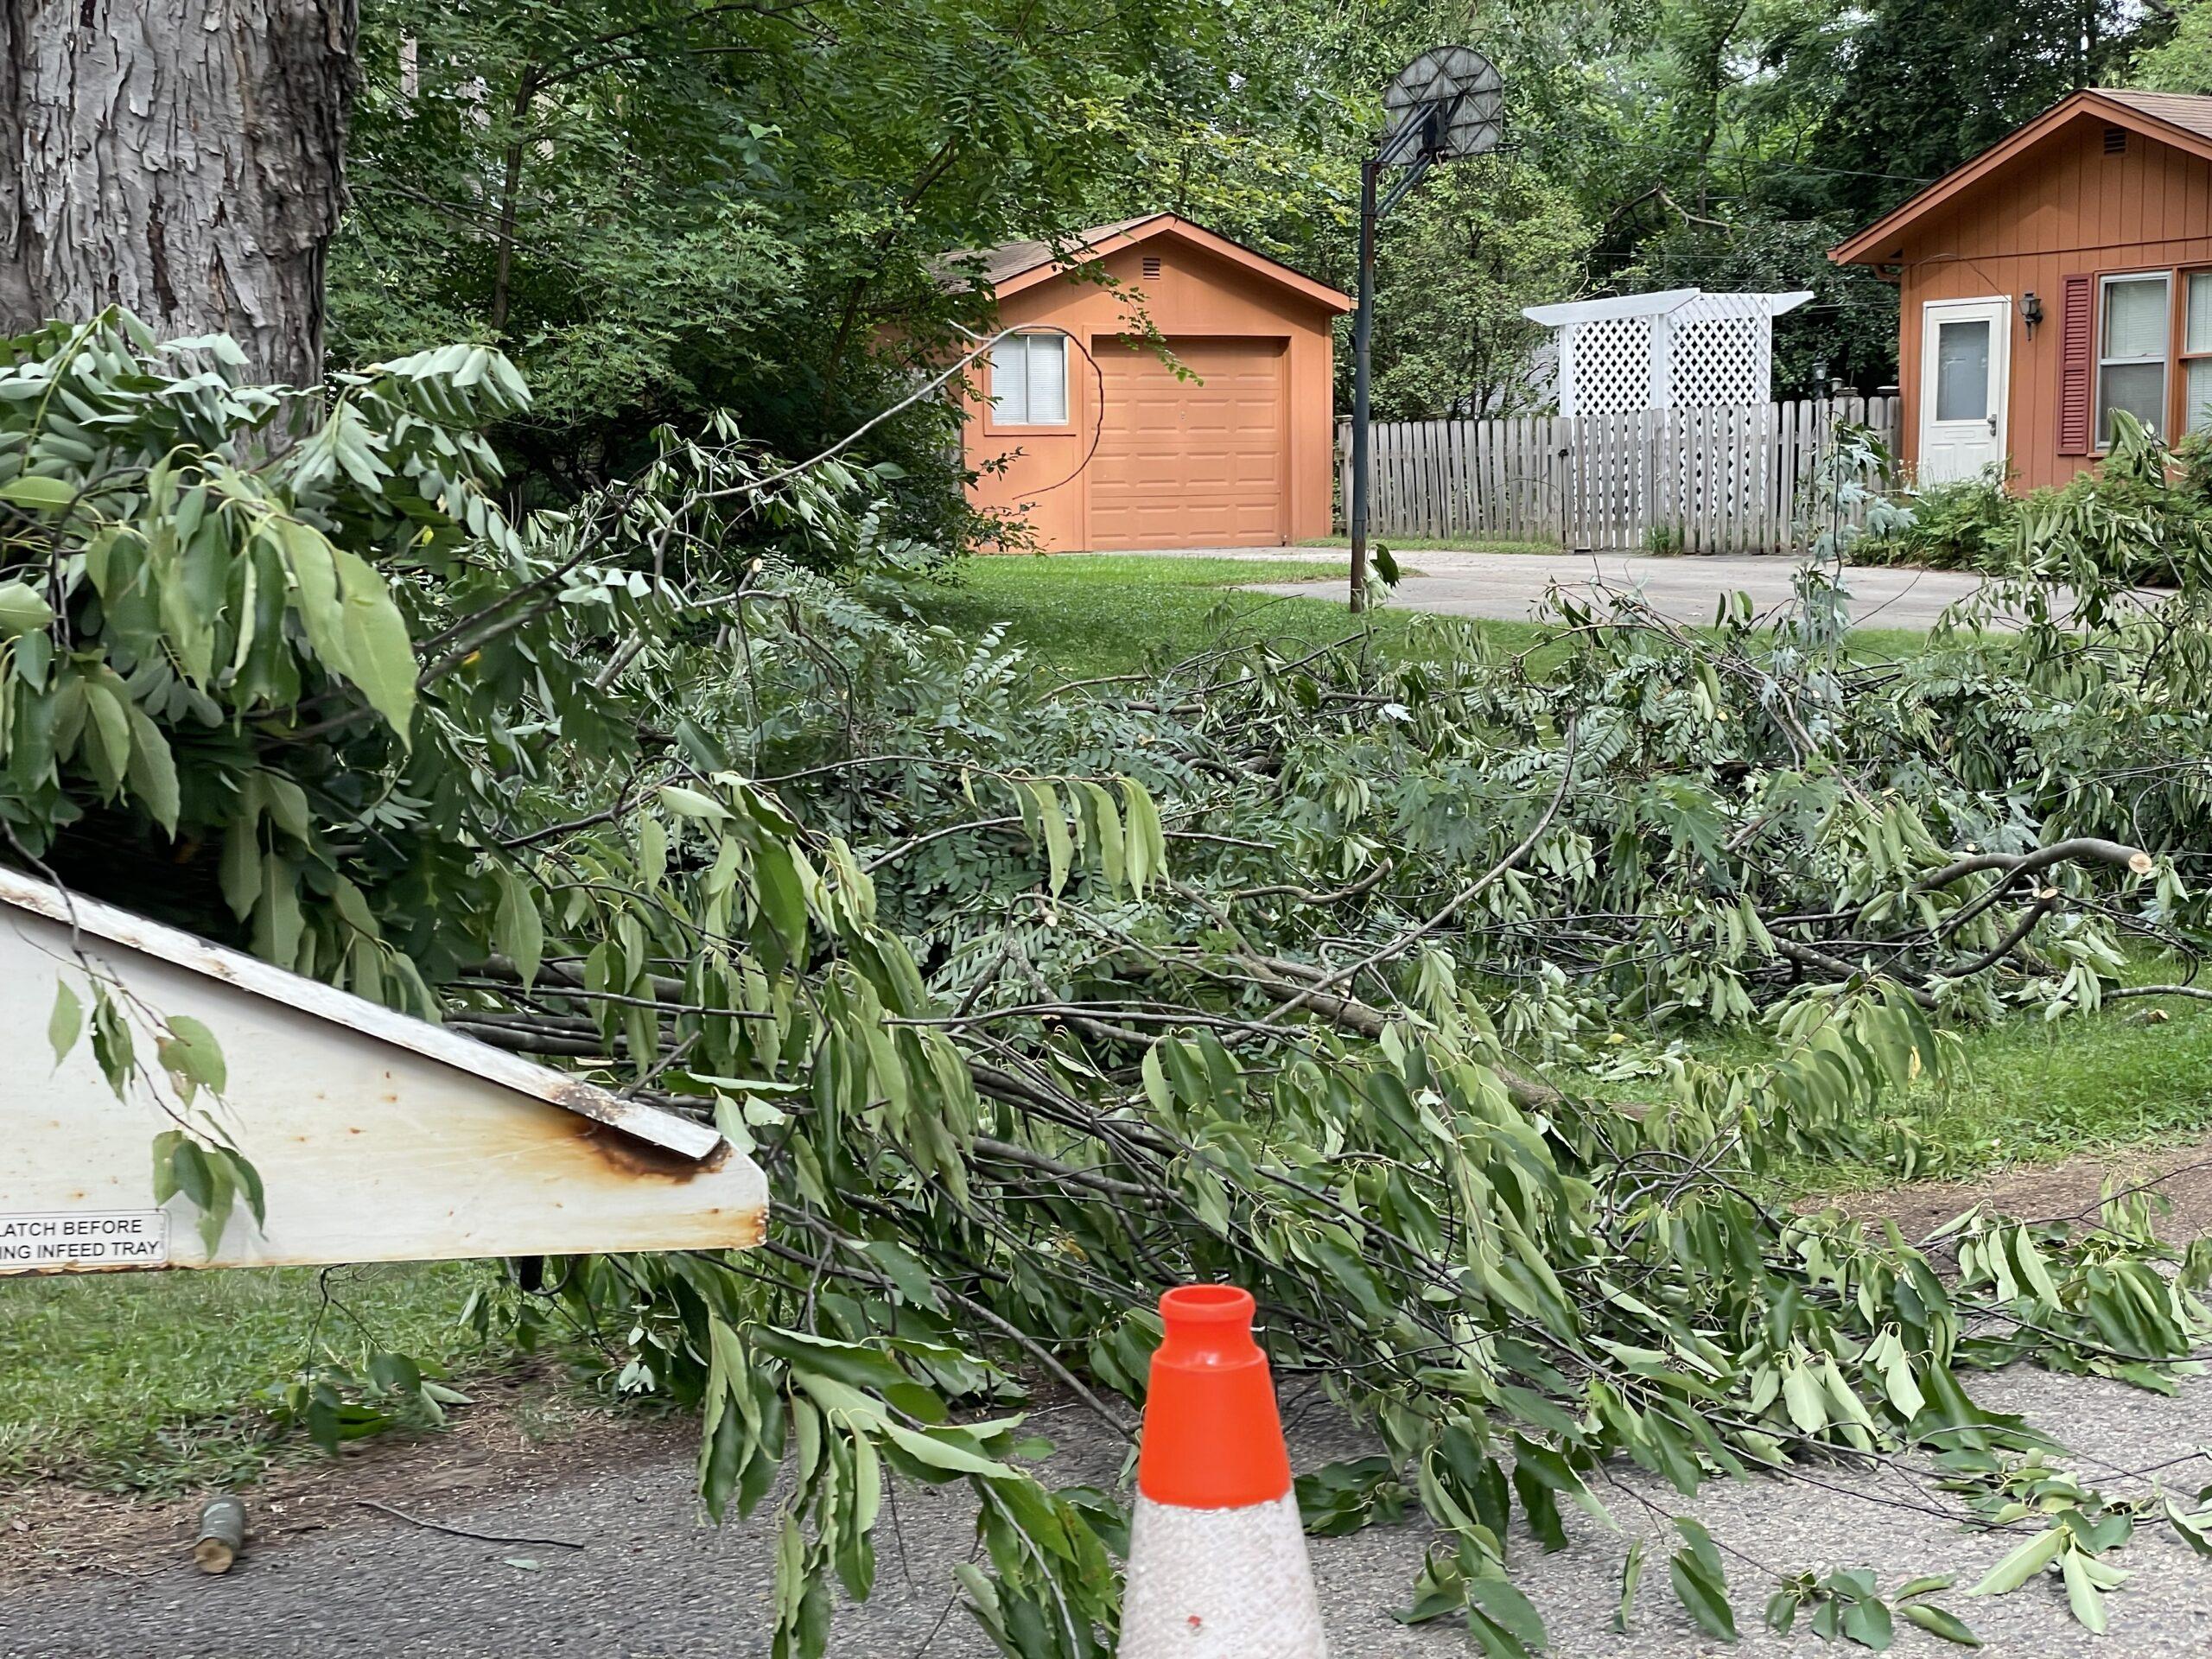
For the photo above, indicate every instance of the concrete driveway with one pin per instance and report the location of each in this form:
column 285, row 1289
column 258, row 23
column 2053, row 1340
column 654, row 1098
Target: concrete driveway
column 1511, row 586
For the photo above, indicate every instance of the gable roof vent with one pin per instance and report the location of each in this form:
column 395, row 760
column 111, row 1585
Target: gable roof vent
column 1152, row 267
column 2115, row 141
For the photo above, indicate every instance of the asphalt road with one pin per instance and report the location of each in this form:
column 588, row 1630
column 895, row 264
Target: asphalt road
column 653, row 1582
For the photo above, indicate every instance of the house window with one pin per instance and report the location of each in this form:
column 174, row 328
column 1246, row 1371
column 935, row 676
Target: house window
column 2196, row 353
column 1029, row 380
column 2131, row 358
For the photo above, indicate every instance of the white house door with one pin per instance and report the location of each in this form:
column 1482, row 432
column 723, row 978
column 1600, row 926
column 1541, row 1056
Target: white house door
column 1965, row 377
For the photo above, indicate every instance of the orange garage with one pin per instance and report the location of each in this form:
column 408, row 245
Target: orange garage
column 1080, row 430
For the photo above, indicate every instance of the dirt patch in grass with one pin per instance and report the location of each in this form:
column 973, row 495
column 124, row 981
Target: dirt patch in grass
column 2070, row 1189
column 522, row 1432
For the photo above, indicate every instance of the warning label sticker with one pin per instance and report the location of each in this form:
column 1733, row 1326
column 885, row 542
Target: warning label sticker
column 75, row 1240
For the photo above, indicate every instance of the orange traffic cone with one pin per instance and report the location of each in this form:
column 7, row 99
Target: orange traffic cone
column 1217, row 1567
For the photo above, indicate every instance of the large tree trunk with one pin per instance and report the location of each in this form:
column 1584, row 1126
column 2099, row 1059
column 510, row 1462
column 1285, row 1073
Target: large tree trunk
column 179, row 157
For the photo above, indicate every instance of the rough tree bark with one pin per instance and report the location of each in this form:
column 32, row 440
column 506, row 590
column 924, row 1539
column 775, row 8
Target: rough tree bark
column 179, row 157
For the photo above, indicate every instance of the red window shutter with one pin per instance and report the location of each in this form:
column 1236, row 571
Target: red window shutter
column 2076, row 364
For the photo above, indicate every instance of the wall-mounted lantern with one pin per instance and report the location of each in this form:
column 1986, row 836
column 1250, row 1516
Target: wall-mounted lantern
column 2030, row 311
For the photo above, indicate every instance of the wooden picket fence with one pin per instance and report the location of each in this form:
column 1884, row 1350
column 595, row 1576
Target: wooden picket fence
column 1690, row 480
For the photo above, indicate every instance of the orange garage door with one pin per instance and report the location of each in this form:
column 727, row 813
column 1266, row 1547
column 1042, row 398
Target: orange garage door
column 1202, row 462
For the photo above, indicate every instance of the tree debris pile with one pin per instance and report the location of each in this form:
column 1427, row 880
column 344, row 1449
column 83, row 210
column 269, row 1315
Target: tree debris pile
column 1034, row 997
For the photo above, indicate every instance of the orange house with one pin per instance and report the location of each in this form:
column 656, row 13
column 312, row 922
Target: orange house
column 2063, row 273
column 1078, row 429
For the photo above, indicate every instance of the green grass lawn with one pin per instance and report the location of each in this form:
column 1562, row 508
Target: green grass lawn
column 1086, row 614
column 1089, row 614
column 2029, row 1092
column 2034, row 1092
column 156, row 1383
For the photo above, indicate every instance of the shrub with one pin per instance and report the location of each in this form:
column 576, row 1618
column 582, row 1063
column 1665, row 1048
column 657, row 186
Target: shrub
column 2142, row 516
column 1972, row 524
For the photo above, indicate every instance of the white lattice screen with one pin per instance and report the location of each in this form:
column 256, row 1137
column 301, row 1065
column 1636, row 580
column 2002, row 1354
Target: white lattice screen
column 1612, row 365
column 1681, row 349
column 1720, row 360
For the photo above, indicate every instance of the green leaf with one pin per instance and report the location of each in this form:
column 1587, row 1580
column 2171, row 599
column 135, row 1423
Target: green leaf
column 905, row 1272
column 1927, row 1585
column 151, row 772
column 23, row 609
column 1510, row 1608
column 249, row 1182
column 782, row 899
column 652, row 853
column 113, row 1044
column 1112, row 861
column 1936, row 1622
column 1808, row 1401
column 109, row 729
column 379, row 655
column 30, row 490
column 2082, row 1596
column 2022, row 1564
column 190, row 1052
column 1869, row 1625
column 1145, row 849
column 940, row 1453
column 1059, row 847
column 165, row 1145
column 1632, row 1577
column 518, row 929
column 239, row 873
column 1782, row 1610
column 65, row 1023
column 690, row 803
column 1705, row 1600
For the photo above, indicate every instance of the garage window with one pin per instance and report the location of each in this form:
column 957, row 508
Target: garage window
column 1029, row 380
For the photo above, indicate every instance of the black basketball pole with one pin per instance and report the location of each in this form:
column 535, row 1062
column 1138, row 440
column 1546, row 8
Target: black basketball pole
column 1362, row 340
column 1414, row 147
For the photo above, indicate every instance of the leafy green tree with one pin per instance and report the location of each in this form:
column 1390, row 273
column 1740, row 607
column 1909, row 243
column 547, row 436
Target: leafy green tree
column 1478, row 241
column 2182, row 63
column 664, row 207
column 1920, row 85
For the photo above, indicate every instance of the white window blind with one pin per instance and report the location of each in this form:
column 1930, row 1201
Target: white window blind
column 2132, row 352
column 1029, row 380
column 2197, row 337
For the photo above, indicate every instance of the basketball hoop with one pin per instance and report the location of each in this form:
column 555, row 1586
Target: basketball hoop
column 1448, row 103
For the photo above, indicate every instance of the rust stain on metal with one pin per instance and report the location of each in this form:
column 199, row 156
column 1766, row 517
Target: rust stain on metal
column 633, row 1157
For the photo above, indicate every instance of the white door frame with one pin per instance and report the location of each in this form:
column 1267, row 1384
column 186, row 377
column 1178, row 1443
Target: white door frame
column 1998, row 310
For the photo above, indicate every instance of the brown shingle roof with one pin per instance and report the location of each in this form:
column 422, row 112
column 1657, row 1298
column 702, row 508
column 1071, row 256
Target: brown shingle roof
column 1009, row 259
column 2190, row 110
column 1013, row 266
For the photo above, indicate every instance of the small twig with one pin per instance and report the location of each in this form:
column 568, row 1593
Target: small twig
column 463, row 1532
